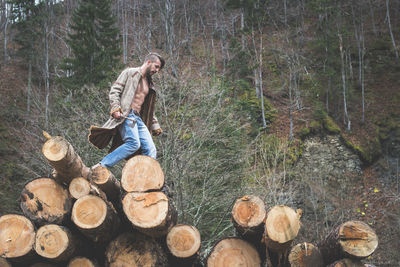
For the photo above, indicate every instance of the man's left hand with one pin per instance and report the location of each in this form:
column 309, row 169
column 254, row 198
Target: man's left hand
column 157, row 132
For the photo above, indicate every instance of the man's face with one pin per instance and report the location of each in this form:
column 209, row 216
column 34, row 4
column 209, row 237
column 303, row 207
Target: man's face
column 154, row 67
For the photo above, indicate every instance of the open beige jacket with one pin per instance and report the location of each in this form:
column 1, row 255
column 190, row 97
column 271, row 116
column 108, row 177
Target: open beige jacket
column 121, row 96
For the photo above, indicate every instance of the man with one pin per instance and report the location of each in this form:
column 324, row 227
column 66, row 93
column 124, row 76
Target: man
column 132, row 99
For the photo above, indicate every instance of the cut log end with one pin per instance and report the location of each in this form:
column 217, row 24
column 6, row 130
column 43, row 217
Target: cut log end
column 305, row 254
column 79, row 187
column 51, row 241
column 89, row 212
column 146, row 210
column 357, row 239
column 17, row 236
column 233, row 252
column 249, row 211
column 141, row 174
column 183, row 241
column 43, row 200
column 81, row 262
column 55, row 149
column 100, row 175
column 347, row 263
column 282, row 224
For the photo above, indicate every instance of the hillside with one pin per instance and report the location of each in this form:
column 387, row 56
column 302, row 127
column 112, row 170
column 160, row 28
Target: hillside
column 305, row 57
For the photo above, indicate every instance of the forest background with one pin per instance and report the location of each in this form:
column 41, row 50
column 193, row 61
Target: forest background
column 247, row 83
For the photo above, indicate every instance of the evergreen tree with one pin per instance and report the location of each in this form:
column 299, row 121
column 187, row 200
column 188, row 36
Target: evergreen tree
column 94, row 44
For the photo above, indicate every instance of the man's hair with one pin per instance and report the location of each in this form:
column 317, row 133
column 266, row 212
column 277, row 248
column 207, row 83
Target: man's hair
column 153, row 57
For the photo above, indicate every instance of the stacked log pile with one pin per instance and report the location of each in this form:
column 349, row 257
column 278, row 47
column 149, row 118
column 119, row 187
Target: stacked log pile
column 84, row 217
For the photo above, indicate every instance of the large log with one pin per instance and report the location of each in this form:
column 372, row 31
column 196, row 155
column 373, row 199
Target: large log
column 95, row 218
column 61, row 156
column 233, row 251
column 281, row 227
column 151, row 213
column 82, row 262
column 106, row 181
column 43, row 201
column 17, row 237
column 56, row 243
column 248, row 216
column 142, row 174
column 135, row 249
column 352, row 239
column 305, row 255
column 183, row 242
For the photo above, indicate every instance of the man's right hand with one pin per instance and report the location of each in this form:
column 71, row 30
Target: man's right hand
column 116, row 115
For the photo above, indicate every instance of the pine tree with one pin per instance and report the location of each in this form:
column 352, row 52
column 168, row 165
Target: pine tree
column 94, row 44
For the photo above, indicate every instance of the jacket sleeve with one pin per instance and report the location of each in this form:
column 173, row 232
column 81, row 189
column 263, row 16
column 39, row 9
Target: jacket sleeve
column 116, row 91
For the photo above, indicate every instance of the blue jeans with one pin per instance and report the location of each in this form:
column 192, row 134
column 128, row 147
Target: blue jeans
column 135, row 135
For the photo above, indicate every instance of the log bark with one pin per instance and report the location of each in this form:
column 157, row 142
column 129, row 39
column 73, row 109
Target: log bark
column 305, row 255
column 142, row 174
column 43, row 264
column 55, row 242
column 135, row 249
column 233, row 251
column 248, row 216
column 183, row 242
column 352, row 239
column 106, row 181
column 17, row 237
column 82, row 262
column 43, row 201
column 61, row 156
column 80, row 187
column 95, row 218
column 4, row 262
column 347, row 263
column 151, row 213
column 281, row 227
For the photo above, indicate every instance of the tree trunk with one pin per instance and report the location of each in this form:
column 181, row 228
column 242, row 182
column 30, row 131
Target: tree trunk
column 55, row 242
column 305, row 254
column 233, row 251
column 151, row 213
column 347, row 263
column 183, row 241
column 141, row 174
column 135, row 249
column 43, row 200
column 62, row 157
column 106, row 181
column 82, row 262
column 80, row 187
column 352, row 239
column 281, row 227
column 95, row 218
column 248, row 216
column 17, row 238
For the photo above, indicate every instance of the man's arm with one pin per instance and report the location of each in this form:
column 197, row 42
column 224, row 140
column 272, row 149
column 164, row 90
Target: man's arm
column 115, row 93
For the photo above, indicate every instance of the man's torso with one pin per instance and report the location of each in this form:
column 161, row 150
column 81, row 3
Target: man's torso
column 140, row 95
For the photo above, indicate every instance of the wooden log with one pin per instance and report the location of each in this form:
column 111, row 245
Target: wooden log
column 82, row 262
column 95, row 218
column 80, row 187
column 281, row 227
column 61, row 156
column 56, row 243
column 17, row 237
column 106, row 181
column 183, row 242
column 43, row 264
column 135, row 249
column 352, row 239
column 347, row 263
column 45, row 201
column 233, row 251
column 305, row 255
column 151, row 213
column 142, row 174
column 248, row 214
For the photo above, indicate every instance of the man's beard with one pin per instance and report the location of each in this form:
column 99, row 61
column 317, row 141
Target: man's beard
column 148, row 77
